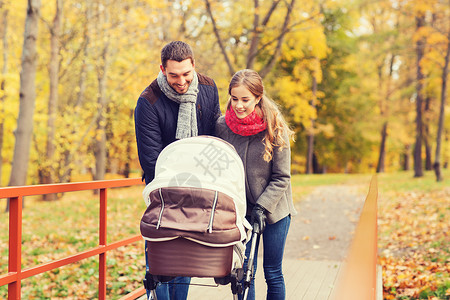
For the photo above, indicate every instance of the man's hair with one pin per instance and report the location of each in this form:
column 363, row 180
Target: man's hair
column 177, row 51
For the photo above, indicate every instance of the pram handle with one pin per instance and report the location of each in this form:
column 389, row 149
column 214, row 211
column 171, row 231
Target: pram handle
column 256, row 228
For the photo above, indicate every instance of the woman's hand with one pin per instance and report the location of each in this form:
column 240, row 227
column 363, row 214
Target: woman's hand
column 259, row 217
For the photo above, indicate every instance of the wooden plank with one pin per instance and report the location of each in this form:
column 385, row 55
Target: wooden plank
column 304, row 279
column 304, row 285
column 298, row 279
column 328, row 281
column 316, row 283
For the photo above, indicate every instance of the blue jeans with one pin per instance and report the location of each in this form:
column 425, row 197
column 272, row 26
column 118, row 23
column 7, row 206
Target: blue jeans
column 176, row 289
column 274, row 240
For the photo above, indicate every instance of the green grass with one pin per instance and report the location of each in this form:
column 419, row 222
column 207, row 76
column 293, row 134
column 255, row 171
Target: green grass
column 402, row 181
column 313, row 180
column 406, row 182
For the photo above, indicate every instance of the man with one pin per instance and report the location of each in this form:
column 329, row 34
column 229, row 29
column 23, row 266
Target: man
column 179, row 103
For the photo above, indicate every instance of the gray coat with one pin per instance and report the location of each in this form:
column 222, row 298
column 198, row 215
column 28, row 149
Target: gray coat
column 266, row 183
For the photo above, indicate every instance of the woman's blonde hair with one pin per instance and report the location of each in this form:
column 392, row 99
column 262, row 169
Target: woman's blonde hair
column 266, row 108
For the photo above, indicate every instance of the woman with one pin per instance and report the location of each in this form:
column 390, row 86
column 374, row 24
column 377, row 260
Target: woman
column 255, row 127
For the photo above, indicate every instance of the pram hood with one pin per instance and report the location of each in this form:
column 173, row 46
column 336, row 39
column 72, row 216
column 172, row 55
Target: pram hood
column 185, row 167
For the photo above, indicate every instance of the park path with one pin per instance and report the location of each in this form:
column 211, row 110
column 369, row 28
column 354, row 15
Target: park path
column 324, row 226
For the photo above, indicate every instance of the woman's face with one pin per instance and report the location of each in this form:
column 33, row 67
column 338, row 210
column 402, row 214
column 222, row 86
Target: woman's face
column 243, row 102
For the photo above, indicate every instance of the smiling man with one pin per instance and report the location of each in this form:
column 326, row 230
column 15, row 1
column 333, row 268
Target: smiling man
column 179, row 103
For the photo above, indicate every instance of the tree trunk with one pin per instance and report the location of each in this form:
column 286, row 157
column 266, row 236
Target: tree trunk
column 27, row 96
column 384, row 112
column 406, row 158
column 382, row 154
column 420, row 45
column 437, row 162
column 48, row 175
column 428, row 160
column 130, row 141
column 310, row 134
column 317, row 168
column 100, row 141
column 4, row 39
column 27, row 93
column 426, row 134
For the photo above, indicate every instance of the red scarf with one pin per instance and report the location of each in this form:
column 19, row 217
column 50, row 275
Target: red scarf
column 250, row 125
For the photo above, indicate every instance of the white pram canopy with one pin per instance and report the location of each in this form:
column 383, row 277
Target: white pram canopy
column 205, row 163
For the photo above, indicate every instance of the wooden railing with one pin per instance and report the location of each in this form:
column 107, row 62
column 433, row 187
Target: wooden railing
column 15, row 272
column 357, row 279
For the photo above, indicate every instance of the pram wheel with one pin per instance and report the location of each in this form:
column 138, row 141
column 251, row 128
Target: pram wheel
column 150, row 281
column 223, row 280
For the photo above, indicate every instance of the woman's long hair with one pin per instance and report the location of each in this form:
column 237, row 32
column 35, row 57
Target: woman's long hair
column 266, row 108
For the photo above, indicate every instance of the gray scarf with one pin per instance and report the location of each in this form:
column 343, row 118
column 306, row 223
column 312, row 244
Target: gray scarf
column 187, row 114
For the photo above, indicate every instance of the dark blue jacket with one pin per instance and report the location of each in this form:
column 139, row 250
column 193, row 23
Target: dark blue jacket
column 156, row 118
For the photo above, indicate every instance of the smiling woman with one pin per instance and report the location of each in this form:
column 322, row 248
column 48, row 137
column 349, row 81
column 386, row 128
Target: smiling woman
column 255, row 127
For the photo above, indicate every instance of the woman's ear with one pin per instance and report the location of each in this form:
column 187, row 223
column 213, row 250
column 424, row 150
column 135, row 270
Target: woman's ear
column 259, row 111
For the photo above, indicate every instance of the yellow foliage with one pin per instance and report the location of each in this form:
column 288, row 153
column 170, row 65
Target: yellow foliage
column 292, row 95
column 136, row 33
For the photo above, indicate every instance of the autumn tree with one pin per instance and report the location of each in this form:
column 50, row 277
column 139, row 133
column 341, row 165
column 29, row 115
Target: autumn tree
column 286, row 52
column 442, row 42
column 264, row 37
column 23, row 133
column 384, row 33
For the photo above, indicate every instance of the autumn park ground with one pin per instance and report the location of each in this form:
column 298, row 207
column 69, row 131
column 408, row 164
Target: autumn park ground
column 413, row 229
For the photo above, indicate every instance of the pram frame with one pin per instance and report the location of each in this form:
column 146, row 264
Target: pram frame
column 236, row 275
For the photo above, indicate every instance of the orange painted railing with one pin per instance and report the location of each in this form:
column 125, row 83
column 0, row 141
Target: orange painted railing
column 357, row 279
column 15, row 272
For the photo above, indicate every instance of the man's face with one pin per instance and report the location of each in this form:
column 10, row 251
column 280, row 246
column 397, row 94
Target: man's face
column 179, row 74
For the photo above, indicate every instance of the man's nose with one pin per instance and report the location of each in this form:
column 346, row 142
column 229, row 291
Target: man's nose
column 181, row 81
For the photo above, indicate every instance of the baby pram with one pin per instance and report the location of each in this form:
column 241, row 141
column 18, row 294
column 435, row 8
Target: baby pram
column 195, row 222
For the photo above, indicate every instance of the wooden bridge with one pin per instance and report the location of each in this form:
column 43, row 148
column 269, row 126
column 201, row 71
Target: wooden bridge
column 356, row 279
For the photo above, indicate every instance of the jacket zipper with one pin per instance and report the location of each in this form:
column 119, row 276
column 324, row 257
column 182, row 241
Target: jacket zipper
column 162, row 209
column 211, row 218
